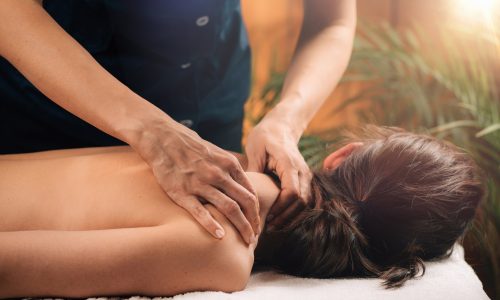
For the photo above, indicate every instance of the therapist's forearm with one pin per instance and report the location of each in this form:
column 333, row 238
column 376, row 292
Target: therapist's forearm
column 322, row 55
column 67, row 74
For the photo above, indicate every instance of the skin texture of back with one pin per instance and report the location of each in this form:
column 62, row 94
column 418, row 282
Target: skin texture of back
column 89, row 222
column 113, row 189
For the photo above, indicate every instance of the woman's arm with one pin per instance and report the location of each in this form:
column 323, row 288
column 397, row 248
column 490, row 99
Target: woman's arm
column 156, row 261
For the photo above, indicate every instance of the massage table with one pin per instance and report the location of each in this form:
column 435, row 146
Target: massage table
column 451, row 278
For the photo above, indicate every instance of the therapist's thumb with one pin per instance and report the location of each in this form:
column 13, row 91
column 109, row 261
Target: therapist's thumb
column 256, row 162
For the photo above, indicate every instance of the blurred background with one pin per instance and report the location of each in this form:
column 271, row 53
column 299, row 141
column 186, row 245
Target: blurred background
column 430, row 66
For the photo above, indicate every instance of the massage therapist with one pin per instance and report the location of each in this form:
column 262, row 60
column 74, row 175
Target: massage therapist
column 170, row 79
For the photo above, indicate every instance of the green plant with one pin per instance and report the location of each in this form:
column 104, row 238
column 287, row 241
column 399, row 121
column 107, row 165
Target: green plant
column 448, row 89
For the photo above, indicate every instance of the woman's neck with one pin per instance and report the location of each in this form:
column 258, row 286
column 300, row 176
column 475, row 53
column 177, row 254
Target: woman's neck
column 267, row 192
column 265, row 186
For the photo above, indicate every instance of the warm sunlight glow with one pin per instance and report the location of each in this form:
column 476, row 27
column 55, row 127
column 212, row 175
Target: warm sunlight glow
column 481, row 16
column 474, row 10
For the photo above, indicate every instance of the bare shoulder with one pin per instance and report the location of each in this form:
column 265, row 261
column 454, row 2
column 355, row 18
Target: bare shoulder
column 193, row 260
column 232, row 254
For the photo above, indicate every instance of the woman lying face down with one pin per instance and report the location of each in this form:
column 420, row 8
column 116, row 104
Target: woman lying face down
column 94, row 222
column 384, row 203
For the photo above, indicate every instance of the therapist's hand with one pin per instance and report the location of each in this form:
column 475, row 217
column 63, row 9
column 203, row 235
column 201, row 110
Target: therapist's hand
column 193, row 171
column 272, row 146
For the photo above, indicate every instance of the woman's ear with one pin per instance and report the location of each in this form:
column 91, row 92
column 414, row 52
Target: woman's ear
column 335, row 158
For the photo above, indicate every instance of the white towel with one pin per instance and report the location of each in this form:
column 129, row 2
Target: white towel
column 451, row 278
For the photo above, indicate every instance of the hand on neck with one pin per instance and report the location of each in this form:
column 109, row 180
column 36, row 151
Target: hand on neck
column 267, row 192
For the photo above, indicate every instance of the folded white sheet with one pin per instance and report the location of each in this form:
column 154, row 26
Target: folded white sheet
column 451, row 278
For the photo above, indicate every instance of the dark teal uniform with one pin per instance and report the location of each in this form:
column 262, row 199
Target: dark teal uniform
column 190, row 58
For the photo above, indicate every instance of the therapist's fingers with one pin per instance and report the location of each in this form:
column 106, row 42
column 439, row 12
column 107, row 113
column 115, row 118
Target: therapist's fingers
column 246, row 201
column 294, row 209
column 305, row 177
column 236, row 185
column 256, row 159
column 295, row 194
column 248, row 195
column 185, row 164
column 290, row 190
column 192, row 204
column 231, row 210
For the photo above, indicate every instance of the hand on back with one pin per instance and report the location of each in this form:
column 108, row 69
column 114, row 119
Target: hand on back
column 193, row 171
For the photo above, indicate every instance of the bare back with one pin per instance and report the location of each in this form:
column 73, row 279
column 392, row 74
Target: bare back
column 95, row 222
column 82, row 189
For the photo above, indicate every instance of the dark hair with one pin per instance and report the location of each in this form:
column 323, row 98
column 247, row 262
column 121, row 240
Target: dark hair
column 399, row 199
